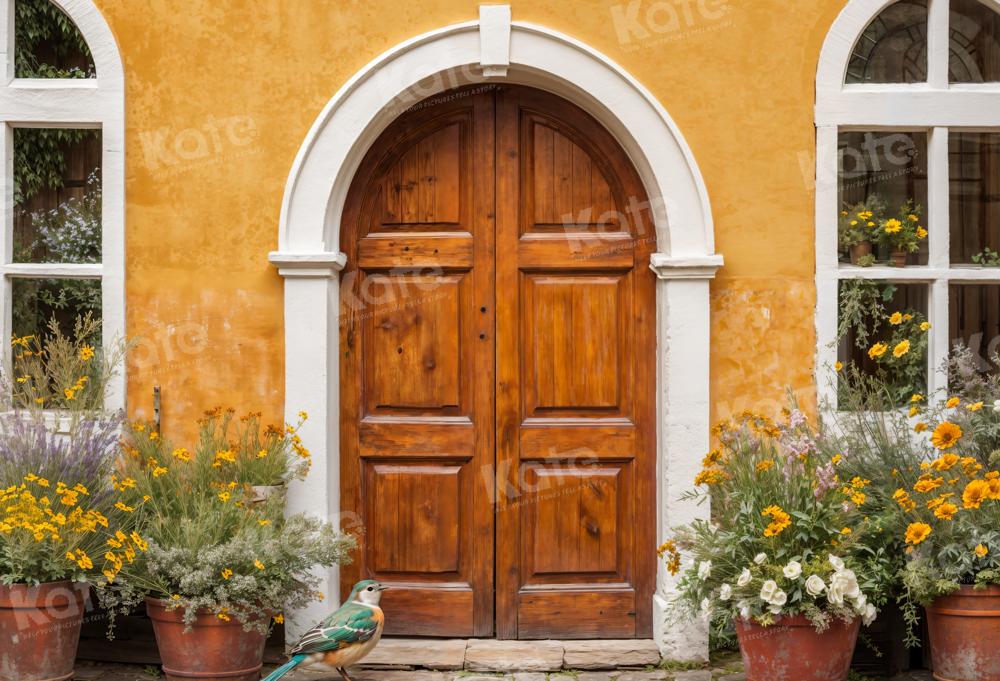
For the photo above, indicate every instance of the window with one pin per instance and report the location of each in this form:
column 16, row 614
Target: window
column 63, row 179
column 908, row 184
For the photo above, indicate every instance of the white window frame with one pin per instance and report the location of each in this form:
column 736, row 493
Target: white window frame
column 97, row 103
column 934, row 107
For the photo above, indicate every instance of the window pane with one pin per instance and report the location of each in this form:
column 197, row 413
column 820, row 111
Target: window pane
column 975, row 43
column 47, row 44
column 888, row 170
column 893, row 48
column 974, row 322
column 57, row 195
column 35, row 302
column 875, row 319
column 974, row 176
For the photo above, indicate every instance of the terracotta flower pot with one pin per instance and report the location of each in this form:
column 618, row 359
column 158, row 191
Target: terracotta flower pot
column 964, row 629
column 40, row 630
column 215, row 650
column 860, row 250
column 899, row 258
column 792, row 650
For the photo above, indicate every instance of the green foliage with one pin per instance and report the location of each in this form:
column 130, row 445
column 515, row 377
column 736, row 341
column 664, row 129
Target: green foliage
column 903, row 232
column 40, row 158
column 787, row 536
column 860, row 222
column 41, row 27
column 987, row 258
column 862, row 309
column 213, row 545
column 70, row 232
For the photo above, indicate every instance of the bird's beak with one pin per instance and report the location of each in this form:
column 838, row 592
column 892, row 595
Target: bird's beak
column 383, row 587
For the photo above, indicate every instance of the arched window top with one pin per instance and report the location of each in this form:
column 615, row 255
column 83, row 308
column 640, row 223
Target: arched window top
column 893, row 47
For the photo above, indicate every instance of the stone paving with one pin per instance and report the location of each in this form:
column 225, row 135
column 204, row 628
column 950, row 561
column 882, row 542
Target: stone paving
column 490, row 660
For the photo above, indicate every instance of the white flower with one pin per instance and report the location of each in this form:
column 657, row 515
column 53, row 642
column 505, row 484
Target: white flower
column 815, row 585
column 768, row 589
column 744, row 607
column 779, row 599
column 793, row 570
column 846, row 583
column 996, row 406
column 869, row 615
column 837, row 563
column 705, row 603
column 704, row 569
column 760, row 558
column 725, row 593
column 860, row 604
column 744, row 578
column 835, row 595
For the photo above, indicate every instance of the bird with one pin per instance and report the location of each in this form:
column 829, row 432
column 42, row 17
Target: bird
column 345, row 637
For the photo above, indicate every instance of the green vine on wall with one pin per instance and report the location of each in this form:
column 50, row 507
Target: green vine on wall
column 43, row 34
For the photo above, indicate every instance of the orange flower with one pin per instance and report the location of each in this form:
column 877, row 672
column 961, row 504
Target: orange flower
column 917, row 533
column 981, row 551
column 946, row 435
column 975, row 493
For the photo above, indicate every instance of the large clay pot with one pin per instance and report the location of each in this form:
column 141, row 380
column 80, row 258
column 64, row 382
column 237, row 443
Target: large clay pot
column 792, row 650
column 40, row 630
column 214, row 650
column 964, row 629
column 860, row 250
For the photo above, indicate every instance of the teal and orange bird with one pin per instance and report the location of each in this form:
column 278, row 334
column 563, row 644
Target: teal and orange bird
column 344, row 638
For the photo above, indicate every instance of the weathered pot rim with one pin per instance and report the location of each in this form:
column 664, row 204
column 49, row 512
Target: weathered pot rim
column 965, row 592
column 788, row 621
column 203, row 617
column 32, row 595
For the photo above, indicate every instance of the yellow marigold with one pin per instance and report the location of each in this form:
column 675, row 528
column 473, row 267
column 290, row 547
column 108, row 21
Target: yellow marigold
column 226, row 573
column 837, row 366
column 917, row 397
column 765, row 465
column 858, row 498
column 921, row 233
column 896, row 318
column 976, row 406
column 901, row 349
column 926, row 483
column 917, row 533
column 181, row 454
column 712, row 458
column 953, row 402
column 920, row 427
column 902, row 498
column 914, row 410
column 925, row 326
column 893, row 226
column 981, row 550
column 86, row 353
column 975, row 493
column 223, row 615
column 158, row 471
column 709, row 476
column 946, row 435
column 877, row 350
column 259, row 565
column 945, row 462
column 224, row 496
column 278, row 619
column 846, row 531
column 946, row 511
column 779, row 520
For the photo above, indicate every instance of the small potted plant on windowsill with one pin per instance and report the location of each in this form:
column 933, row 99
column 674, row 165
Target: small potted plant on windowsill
column 902, row 234
column 858, row 227
column 222, row 564
column 987, row 258
column 782, row 559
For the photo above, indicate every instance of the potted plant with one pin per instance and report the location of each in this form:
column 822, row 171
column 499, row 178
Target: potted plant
column 902, row 234
column 950, row 518
column 57, row 512
column 987, row 258
column 781, row 558
column 220, row 568
column 857, row 228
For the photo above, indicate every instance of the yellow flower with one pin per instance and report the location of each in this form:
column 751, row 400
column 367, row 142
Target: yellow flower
column 917, row 397
column 138, row 541
column 262, row 523
column 175, row 597
column 927, row 484
column 945, row 462
column 224, row 496
column 259, row 565
column 158, row 471
column 838, row 366
column 901, row 349
column 279, row 618
column 182, row 454
column 946, row 435
column 122, row 507
column 974, row 407
column 86, row 353
column 779, row 521
column 765, row 465
column 912, row 218
column 975, row 493
column 893, row 226
column 914, row 411
column 303, row 416
column 223, row 615
column 920, row 427
column 877, row 350
column 917, row 533
column 227, row 455
column 42, row 482
column 981, row 550
column 846, row 531
column 836, row 459
column 896, row 318
column 946, row 511
column 925, row 326
column 903, row 499
column 858, row 498
column 921, row 233
column 226, row 573
column 952, row 402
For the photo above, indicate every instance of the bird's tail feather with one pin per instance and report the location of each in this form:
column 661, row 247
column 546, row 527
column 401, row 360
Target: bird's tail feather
column 285, row 668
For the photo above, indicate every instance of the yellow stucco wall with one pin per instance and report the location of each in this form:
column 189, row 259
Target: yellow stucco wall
column 221, row 93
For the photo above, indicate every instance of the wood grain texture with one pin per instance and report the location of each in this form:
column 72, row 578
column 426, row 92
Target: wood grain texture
column 497, row 385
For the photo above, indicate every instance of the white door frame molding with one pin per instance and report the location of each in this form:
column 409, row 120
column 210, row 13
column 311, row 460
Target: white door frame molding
column 495, row 49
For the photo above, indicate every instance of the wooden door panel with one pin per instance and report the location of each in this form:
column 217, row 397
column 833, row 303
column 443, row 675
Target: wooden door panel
column 575, row 399
column 417, row 379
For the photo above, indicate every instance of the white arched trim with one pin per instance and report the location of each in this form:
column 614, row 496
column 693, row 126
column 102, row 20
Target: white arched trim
column 93, row 103
column 494, row 49
column 935, row 107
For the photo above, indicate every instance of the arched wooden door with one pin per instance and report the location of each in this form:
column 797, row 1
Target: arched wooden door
column 498, row 374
